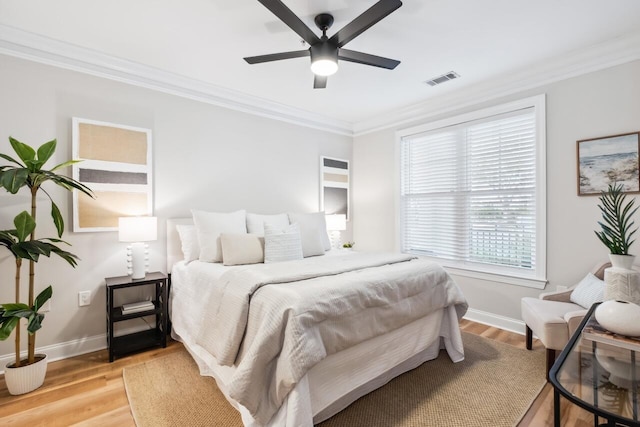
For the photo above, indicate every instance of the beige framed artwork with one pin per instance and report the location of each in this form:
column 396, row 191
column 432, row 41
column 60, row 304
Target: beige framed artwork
column 116, row 165
column 608, row 160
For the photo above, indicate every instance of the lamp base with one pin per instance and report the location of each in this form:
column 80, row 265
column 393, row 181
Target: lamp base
column 138, row 260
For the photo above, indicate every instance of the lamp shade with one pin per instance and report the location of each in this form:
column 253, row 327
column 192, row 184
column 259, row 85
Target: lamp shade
column 324, row 59
column 137, row 228
column 337, row 222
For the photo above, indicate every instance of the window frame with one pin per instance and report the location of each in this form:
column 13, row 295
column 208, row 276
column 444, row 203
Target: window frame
column 534, row 279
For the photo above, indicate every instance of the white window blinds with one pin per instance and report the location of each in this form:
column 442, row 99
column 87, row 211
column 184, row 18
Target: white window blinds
column 468, row 192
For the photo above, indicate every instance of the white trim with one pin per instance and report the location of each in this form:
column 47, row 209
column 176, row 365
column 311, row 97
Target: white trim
column 538, row 103
column 63, row 350
column 496, row 320
column 496, row 277
column 38, row 48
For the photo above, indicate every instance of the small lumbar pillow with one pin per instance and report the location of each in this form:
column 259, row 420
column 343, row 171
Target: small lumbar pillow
column 312, row 225
column 209, row 226
column 189, row 241
column 589, row 291
column 256, row 222
column 282, row 244
column 241, row 248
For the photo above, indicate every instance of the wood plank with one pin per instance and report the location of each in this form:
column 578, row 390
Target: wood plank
column 87, row 390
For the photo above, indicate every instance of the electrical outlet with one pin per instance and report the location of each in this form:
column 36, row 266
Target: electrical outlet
column 84, row 298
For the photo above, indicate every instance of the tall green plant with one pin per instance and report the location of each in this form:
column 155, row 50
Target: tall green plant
column 616, row 230
column 22, row 242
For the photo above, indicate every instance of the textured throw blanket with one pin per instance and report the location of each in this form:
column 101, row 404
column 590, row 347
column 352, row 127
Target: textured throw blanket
column 276, row 321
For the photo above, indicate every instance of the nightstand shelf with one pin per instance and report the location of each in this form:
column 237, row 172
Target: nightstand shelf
column 154, row 337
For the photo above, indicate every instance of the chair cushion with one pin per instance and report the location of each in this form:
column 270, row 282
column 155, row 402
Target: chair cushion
column 547, row 320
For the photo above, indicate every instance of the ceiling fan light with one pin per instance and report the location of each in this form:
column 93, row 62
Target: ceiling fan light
column 324, row 67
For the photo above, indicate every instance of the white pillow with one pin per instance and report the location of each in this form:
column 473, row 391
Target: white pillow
column 310, row 225
column 241, row 249
column 282, row 244
column 589, row 291
column 189, row 241
column 209, row 226
column 256, row 222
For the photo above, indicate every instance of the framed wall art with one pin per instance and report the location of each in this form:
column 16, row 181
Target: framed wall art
column 608, row 160
column 116, row 165
column 334, row 186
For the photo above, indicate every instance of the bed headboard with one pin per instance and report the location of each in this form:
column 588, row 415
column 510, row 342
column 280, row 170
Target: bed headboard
column 174, row 246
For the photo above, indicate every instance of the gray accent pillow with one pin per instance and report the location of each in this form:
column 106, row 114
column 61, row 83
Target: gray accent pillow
column 589, row 291
column 240, row 249
column 282, row 244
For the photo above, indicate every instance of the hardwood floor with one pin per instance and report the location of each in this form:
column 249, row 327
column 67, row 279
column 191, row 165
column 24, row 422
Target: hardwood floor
column 87, row 390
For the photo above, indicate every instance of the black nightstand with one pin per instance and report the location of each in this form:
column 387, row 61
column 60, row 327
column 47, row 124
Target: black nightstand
column 139, row 340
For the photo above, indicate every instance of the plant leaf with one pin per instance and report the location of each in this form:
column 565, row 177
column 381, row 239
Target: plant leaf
column 25, row 224
column 14, row 179
column 42, row 298
column 65, row 164
column 23, row 151
column 7, row 327
column 57, row 218
column 46, row 150
column 35, row 323
column 11, row 159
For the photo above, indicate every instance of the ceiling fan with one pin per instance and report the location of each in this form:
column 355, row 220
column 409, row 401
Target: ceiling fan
column 324, row 51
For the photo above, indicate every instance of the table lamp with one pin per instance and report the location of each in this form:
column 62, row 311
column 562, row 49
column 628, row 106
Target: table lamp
column 137, row 230
column 335, row 224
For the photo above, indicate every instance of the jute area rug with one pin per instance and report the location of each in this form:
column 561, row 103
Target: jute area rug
column 494, row 385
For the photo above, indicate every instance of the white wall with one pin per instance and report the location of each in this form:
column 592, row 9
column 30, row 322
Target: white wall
column 204, row 157
column 598, row 104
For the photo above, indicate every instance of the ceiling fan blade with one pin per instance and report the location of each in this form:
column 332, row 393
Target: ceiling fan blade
column 370, row 17
column 367, row 59
column 288, row 17
column 277, row 56
column 319, row 82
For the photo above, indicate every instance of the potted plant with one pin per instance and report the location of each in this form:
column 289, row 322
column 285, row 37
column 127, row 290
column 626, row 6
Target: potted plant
column 24, row 375
column 616, row 227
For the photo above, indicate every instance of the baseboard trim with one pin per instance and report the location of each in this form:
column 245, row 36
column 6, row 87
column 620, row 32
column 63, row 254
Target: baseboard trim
column 63, row 350
column 496, row 320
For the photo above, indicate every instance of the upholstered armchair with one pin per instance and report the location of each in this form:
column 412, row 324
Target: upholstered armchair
column 553, row 318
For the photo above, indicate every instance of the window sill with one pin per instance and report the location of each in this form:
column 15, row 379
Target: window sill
column 495, row 277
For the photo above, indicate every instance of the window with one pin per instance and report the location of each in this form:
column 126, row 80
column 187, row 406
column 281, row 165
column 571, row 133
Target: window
column 472, row 191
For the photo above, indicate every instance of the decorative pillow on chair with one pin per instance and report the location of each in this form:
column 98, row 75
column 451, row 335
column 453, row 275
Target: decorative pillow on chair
column 209, row 226
column 282, row 244
column 589, row 291
column 241, row 249
column 256, row 222
column 312, row 226
column 189, row 241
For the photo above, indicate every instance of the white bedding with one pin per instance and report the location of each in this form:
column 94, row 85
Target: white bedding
column 304, row 392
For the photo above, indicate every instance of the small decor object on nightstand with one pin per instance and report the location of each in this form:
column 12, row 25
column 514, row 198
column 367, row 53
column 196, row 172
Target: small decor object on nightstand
column 348, row 245
column 158, row 307
column 137, row 230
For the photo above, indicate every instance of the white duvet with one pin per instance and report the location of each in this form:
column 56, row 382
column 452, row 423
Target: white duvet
column 274, row 322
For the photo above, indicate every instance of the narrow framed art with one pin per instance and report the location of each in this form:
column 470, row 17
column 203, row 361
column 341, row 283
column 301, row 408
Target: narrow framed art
column 608, row 160
column 334, row 186
column 116, row 164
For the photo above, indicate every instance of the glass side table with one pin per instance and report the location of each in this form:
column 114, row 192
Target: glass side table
column 601, row 377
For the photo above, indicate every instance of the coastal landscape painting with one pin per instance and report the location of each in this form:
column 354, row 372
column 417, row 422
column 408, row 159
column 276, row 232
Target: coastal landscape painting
column 608, row 160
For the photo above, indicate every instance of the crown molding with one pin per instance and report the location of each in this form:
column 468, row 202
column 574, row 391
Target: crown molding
column 26, row 45
column 594, row 58
column 37, row 48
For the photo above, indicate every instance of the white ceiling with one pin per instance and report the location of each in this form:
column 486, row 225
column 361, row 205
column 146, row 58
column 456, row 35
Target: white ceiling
column 205, row 40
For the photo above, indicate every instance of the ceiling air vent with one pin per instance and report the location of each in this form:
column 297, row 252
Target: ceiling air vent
column 443, row 78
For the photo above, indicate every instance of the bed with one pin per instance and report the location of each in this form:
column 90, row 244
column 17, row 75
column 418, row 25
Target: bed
column 309, row 366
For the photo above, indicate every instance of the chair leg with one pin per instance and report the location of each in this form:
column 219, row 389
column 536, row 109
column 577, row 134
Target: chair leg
column 529, row 338
column 551, row 358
